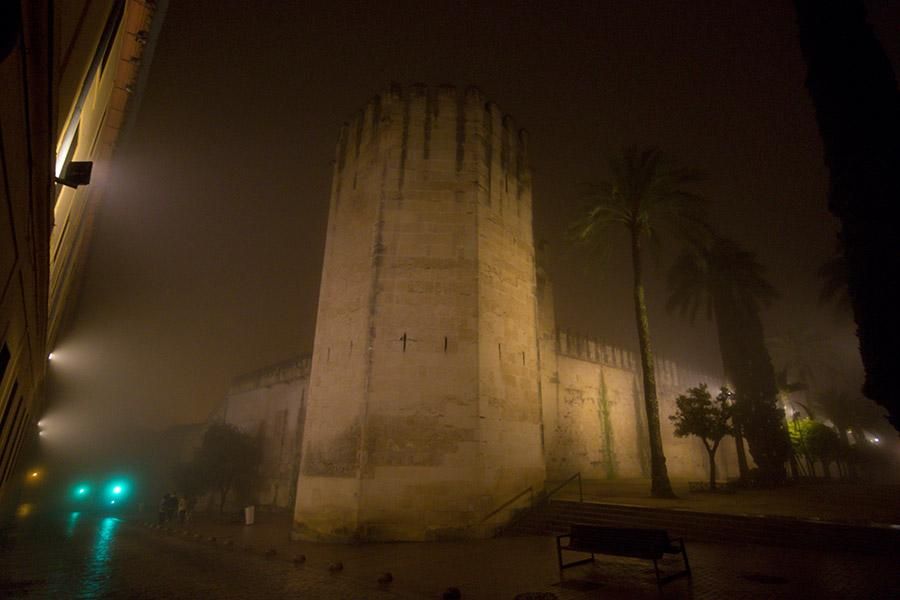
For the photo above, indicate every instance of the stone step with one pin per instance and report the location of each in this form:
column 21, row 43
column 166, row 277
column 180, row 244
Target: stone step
column 555, row 518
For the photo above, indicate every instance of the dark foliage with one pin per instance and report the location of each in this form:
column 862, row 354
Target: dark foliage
column 227, row 460
column 707, row 418
column 727, row 283
column 854, row 91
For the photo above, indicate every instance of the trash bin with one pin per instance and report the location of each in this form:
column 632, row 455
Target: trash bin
column 249, row 514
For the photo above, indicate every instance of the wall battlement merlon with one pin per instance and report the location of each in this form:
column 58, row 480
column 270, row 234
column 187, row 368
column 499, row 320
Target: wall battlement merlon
column 282, row 372
column 462, row 118
column 668, row 372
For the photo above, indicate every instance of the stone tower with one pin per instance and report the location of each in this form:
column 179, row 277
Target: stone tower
column 424, row 408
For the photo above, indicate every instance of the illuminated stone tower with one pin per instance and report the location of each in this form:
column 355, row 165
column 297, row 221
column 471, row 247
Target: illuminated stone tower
column 424, row 408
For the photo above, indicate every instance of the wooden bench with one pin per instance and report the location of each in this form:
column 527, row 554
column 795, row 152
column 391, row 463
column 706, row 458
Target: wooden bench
column 649, row 544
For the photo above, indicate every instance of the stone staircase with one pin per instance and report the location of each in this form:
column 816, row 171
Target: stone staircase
column 554, row 517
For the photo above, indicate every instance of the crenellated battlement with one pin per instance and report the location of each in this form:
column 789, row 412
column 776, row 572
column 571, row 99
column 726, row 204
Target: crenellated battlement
column 668, row 372
column 445, row 130
column 283, row 372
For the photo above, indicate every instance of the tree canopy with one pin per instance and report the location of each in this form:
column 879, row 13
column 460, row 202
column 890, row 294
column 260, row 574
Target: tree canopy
column 709, row 419
column 228, row 459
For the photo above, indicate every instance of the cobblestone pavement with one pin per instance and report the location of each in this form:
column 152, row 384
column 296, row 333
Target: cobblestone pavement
column 87, row 556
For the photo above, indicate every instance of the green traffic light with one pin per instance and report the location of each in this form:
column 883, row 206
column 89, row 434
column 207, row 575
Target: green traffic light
column 81, row 490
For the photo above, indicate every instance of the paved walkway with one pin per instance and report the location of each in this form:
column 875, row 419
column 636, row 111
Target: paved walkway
column 505, row 567
column 826, row 500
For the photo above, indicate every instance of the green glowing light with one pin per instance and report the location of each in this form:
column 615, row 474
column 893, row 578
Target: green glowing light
column 81, row 490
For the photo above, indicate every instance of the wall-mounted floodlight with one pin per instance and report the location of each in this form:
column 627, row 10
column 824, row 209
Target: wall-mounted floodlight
column 76, row 173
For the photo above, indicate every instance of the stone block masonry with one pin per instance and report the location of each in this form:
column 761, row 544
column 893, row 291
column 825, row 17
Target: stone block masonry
column 424, row 408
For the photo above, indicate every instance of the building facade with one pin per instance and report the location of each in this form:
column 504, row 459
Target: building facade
column 70, row 74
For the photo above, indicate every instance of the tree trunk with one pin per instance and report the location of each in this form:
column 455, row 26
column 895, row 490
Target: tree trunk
column 712, row 468
column 743, row 468
column 660, row 486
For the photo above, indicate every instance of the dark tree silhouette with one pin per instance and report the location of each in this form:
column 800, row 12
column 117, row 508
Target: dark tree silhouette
column 227, row 459
column 834, row 275
column 644, row 195
column 727, row 283
column 854, row 91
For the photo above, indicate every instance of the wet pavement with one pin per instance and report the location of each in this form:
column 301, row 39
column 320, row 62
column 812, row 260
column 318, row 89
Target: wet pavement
column 80, row 555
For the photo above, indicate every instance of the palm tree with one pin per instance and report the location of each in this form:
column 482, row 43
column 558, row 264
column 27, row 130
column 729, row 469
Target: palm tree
column 727, row 283
column 644, row 195
column 719, row 276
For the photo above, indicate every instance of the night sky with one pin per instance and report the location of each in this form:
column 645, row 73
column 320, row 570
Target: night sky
column 207, row 252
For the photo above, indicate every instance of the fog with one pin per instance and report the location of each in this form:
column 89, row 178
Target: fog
column 207, row 251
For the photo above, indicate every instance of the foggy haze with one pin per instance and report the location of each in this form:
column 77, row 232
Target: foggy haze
column 207, row 251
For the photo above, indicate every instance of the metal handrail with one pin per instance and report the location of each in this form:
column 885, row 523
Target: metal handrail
column 542, row 497
column 528, row 490
column 577, row 476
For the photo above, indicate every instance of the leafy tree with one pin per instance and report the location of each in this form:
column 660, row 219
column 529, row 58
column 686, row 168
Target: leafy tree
column 228, row 459
column 724, row 281
column 815, row 441
column 698, row 414
column 644, row 196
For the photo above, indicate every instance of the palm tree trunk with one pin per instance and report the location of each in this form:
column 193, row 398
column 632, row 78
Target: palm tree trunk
column 660, row 486
column 743, row 468
column 727, row 360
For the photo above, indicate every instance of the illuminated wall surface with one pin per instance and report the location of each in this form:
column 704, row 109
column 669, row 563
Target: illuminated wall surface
column 65, row 99
column 423, row 397
column 271, row 404
column 440, row 386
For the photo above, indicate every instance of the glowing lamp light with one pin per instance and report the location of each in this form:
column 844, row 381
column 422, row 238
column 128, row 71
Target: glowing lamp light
column 118, row 490
column 876, row 440
column 112, row 501
column 81, row 490
column 51, row 356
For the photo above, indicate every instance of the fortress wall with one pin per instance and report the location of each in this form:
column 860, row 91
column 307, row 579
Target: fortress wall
column 548, row 362
column 510, row 407
column 601, row 426
column 421, row 437
column 330, row 461
column 402, row 417
column 271, row 403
